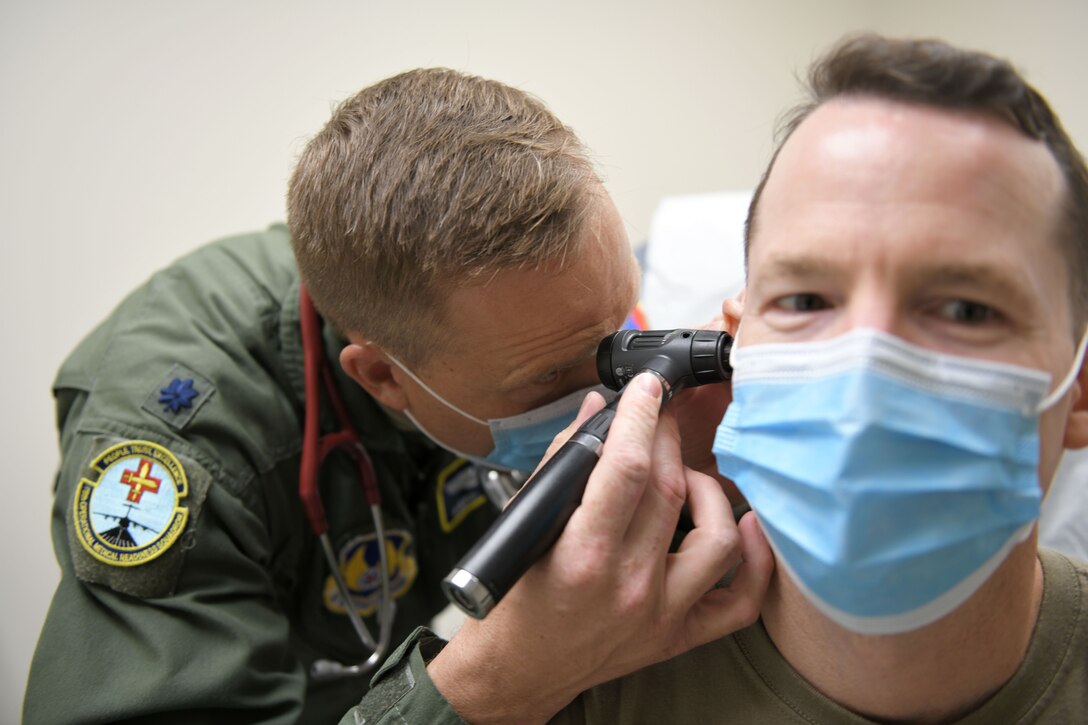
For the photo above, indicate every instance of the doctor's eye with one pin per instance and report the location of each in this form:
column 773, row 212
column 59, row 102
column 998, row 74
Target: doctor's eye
column 802, row 302
column 968, row 312
column 547, row 378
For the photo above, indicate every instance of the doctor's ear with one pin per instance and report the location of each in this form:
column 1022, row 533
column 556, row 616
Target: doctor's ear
column 732, row 309
column 368, row 365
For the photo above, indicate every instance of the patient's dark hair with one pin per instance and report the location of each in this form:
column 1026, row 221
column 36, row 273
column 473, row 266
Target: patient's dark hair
column 934, row 73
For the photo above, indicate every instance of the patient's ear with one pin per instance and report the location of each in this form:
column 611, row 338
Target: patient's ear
column 368, row 365
column 732, row 309
column 1076, row 426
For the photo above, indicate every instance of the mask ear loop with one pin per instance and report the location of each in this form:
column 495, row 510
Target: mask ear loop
column 734, row 346
column 1067, row 382
column 434, row 394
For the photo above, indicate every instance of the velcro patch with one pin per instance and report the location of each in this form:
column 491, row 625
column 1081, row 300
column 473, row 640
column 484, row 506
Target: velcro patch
column 459, row 493
column 178, row 396
column 360, row 565
column 131, row 515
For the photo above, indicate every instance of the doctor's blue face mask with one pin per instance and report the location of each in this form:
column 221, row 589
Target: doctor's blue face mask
column 520, row 440
column 891, row 480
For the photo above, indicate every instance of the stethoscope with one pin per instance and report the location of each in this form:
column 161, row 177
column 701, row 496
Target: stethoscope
column 315, row 448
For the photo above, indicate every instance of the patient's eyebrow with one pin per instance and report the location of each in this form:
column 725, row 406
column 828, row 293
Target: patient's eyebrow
column 1010, row 285
column 1012, row 288
column 789, row 266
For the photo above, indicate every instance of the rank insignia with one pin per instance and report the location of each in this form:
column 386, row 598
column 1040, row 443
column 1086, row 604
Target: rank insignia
column 130, row 512
column 360, row 565
column 178, row 396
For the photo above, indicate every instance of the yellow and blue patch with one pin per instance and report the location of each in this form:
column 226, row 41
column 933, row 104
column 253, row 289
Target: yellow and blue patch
column 130, row 512
column 360, row 565
column 459, row 492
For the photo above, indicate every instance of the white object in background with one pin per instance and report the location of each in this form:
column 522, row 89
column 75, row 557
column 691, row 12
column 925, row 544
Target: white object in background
column 446, row 623
column 694, row 257
column 1063, row 523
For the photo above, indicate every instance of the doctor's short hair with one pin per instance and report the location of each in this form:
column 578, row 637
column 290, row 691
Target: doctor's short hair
column 934, row 73
column 424, row 182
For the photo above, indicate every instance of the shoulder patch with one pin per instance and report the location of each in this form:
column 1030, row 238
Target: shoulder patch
column 129, row 515
column 133, row 511
column 459, row 492
column 178, row 396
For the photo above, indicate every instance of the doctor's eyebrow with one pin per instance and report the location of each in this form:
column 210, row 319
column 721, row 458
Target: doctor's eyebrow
column 529, row 374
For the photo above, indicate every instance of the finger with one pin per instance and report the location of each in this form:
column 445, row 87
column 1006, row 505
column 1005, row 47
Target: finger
column 757, row 560
column 592, row 403
column 723, row 611
column 616, row 485
column 708, row 550
column 653, row 524
column 716, row 323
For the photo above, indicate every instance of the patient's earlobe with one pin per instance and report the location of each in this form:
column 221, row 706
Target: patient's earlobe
column 372, row 369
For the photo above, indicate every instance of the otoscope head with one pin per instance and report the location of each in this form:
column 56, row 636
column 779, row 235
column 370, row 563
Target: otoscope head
column 682, row 357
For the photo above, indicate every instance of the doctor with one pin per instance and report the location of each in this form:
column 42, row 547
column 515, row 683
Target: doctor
column 465, row 260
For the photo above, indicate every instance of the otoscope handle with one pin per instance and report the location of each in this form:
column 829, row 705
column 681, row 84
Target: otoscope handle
column 531, row 522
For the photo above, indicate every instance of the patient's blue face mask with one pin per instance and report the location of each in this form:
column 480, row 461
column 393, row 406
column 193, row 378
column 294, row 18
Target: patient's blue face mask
column 520, row 440
column 891, row 480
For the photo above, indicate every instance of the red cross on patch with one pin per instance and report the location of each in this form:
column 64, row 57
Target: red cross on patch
column 140, row 480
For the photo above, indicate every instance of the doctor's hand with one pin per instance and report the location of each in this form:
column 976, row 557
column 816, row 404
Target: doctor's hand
column 609, row 598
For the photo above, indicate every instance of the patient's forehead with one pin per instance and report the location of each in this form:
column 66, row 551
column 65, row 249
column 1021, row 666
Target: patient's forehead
column 869, row 152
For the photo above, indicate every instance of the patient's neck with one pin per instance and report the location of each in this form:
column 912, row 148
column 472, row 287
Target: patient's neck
column 930, row 675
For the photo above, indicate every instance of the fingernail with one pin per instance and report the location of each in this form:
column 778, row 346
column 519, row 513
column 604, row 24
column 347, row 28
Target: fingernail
column 649, row 383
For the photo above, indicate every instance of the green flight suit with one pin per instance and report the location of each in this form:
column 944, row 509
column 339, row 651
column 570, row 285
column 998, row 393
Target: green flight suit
column 191, row 395
column 743, row 678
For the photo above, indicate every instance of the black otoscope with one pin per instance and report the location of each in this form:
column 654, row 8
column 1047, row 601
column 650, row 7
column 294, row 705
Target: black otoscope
column 535, row 517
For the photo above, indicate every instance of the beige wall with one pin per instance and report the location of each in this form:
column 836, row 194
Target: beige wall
column 134, row 130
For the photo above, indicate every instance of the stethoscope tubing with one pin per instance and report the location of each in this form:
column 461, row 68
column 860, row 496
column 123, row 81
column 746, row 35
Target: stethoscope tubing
column 315, row 448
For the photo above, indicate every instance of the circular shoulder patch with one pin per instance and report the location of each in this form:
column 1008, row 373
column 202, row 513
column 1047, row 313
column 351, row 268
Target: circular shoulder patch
column 131, row 512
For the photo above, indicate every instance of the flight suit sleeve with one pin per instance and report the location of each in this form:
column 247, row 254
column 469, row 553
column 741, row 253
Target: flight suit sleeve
column 201, row 642
column 401, row 691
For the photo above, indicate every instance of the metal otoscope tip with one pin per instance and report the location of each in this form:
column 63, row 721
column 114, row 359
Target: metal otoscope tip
column 468, row 593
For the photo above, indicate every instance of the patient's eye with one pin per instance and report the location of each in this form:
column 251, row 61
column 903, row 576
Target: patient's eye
column 803, row 302
column 968, row 312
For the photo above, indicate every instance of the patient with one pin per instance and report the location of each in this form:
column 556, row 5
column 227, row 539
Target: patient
column 909, row 369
